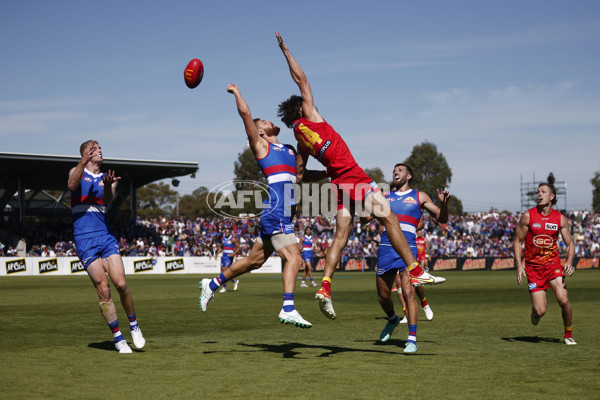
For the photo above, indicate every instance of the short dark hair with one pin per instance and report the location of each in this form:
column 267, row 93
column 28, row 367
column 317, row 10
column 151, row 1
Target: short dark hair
column 552, row 189
column 289, row 110
column 85, row 144
column 408, row 168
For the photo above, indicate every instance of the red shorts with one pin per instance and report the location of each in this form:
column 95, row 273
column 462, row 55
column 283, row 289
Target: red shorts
column 420, row 258
column 352, row 187
column 539, row 278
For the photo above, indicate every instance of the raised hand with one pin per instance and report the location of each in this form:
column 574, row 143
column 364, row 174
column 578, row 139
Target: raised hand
column 443, row 195
column 109, row 178
column 280, row 42
column 232, row 88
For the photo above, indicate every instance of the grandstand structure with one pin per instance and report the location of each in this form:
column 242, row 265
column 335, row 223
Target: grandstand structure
column 27, row 181
column 529, row 192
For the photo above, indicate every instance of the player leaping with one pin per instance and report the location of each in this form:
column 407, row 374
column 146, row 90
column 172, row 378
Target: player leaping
column 278, row 163
column 353, row 186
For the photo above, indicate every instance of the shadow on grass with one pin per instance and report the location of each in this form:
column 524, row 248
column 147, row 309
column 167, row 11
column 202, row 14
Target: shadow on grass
column 110, row 346
column 291, row 350
column 531, row 339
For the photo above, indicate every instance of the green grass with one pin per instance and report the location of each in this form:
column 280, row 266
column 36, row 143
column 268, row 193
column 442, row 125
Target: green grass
column 55, row 344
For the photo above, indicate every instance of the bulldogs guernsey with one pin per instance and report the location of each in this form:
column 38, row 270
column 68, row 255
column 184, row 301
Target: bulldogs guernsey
column 541, row 248
column 89, row 212
column 307, row 246
column 279, row 167
column 227, row 243
column 408, row 209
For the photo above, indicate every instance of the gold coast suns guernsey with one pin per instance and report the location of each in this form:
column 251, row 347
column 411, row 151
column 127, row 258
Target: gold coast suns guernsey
column 321, row 141
column 541, row 247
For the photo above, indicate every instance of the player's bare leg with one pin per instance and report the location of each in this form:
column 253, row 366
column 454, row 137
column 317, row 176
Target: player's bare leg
column 398, row 281
column 384, row 292
column 342, row 232
column 97, row 273
column 116, row 271
column 560, row 290
column 412, row 309
column 257, row 257
column 538, row 306
column 290, row 255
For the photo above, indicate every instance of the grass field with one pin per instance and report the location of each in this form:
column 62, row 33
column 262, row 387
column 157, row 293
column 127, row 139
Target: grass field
column 480, row 344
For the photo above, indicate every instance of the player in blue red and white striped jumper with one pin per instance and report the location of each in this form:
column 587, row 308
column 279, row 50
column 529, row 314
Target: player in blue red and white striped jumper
column 91, row 192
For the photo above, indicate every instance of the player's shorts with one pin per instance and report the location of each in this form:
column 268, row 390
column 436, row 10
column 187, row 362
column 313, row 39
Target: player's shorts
column 352, row 187
column 91, row 248
column 539, row 278
column 388, row 260
column 226, row 260
column 307, row 256
column 421, row 257
column 275, row 222
column 279, row 240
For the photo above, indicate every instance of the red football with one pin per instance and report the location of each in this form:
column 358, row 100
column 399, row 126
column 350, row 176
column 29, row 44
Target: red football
column 193, row 73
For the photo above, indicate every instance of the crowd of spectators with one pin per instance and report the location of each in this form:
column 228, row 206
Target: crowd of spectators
column 485, row 234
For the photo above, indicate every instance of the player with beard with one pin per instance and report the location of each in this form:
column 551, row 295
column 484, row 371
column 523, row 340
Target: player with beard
column 278, row 163
column 355, row 190
column 407, row 205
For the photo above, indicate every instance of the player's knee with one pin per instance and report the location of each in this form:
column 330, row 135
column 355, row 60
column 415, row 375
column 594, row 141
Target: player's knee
column 253, row 266
column 121, row 286
column 563, row 301
column 103, row 290
column 540, row 311
column 408, row 292
column 297, row 262
column 384, row 295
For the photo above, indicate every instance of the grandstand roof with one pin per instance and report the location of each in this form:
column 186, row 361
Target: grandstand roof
column 39, row 172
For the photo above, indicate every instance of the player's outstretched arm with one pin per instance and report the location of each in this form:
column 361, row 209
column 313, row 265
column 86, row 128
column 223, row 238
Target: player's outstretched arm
column 309, row 111
column 244, row 111
column 439, row 213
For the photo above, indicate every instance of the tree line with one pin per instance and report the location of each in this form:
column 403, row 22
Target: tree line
column 430, row 168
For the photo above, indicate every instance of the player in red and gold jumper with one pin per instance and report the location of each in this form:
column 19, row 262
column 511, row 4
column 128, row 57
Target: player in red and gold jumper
column 422, row 251
column 539, row 228
column 353, row 186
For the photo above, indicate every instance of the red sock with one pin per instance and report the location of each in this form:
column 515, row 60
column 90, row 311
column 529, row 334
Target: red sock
column 415, row 270
column 568, row 331
column 326, row 285
column 424, row 302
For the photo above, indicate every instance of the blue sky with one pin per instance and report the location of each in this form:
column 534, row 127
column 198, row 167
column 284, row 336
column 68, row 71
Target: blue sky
column 504, row 89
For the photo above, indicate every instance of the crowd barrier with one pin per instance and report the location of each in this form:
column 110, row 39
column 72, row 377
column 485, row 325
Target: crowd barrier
column 19, row 266
column 452, row 263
